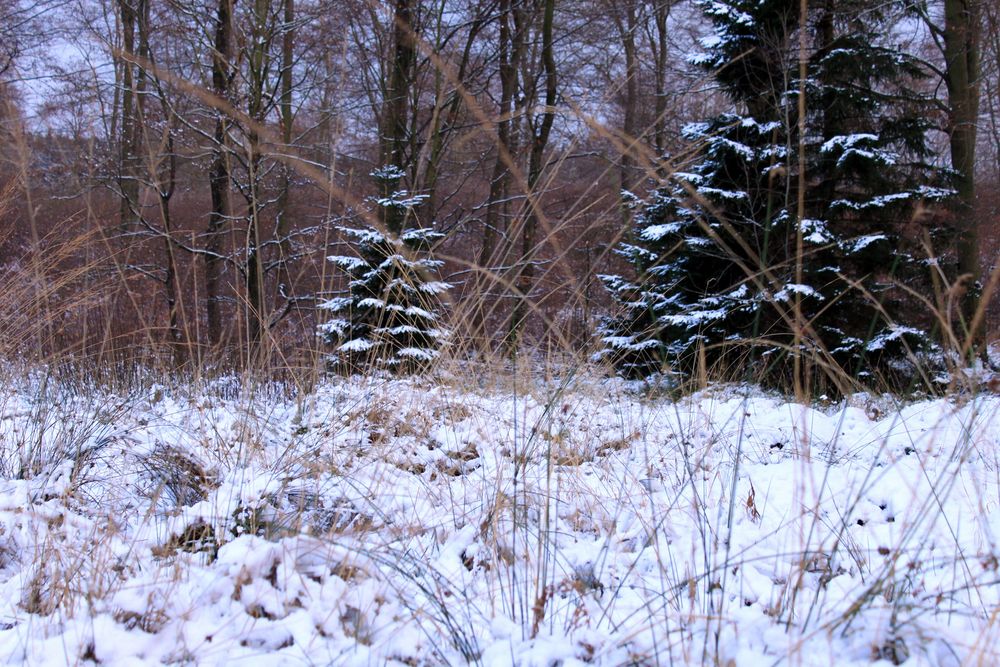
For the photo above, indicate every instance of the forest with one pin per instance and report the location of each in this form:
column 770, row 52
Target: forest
column 176, row 175
column 499, row 332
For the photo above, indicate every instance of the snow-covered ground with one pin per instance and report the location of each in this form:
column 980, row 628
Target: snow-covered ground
column 416, row 523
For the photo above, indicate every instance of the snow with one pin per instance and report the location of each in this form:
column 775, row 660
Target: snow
column 629, row 343
column 435, row 287
column 747, row 153
column 719, row 193
column 427, row 521
column 897, row 332
column 416, row 311
column 401, row 199
column 860, row 243
column 348, row 263
column 657, row 232
column 927, row 192
column 335, row 304
column 694, row 318
column 356, row 345
column 421, row 354
column 786, row 292
column 814, row 231
column 729, row 11
column 848, row 141
column 335, row 327
column 389, row 172
column 696, row 130
column 401, row 330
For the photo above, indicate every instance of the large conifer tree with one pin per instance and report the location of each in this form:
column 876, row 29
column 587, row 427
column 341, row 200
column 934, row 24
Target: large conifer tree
column 728, row 253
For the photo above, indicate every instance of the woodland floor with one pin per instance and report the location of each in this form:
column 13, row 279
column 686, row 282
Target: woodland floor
column 413, row 522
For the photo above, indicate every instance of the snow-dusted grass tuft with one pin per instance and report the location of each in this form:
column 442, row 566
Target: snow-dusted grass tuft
column 519, row 521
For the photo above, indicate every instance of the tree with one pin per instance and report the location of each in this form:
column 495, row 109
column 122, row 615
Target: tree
column 252, row 88
column 627, row 24
column 131, row 80
column 509, row 55
column 961, row 45
column 869, row 176
column 957, row 34
column 784, row 240
column 161, row 167
column 394, row 128
column 538, row 129
column 21, row 29
column 218, row 175
column 390, row 318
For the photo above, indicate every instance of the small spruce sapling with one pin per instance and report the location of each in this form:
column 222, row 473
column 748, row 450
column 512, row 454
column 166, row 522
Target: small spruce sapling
column 391, row 317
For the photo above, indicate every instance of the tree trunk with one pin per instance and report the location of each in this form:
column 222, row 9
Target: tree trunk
column 627, row 163
column 164, row 180
column 219, row 171
column 961, row 51
column 128, row 178
column 284, row 194
column 662, row 12
column 258, row 64
column 394, row 128
column 500, row 179
column 539, row 142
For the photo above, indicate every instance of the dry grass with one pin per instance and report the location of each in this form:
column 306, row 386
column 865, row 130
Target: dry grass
column 273, row 449
column 497, row 452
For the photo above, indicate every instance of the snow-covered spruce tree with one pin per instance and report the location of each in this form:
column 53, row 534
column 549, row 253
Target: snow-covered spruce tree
column 716, row 250
column 871, row 191
column 698, row 236
column 391, row 318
